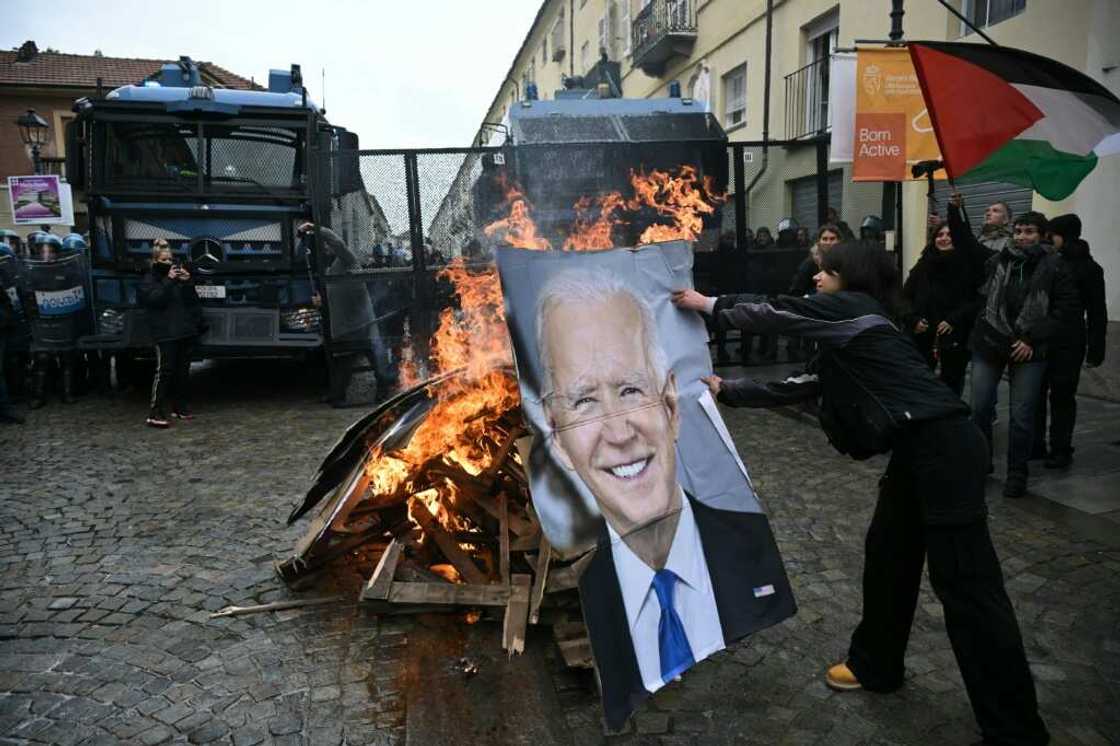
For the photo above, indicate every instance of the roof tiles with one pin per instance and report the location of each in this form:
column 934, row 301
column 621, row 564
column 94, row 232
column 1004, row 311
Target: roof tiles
column 52, row 69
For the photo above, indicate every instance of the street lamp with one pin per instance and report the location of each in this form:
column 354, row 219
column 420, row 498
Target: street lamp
column 33, row 131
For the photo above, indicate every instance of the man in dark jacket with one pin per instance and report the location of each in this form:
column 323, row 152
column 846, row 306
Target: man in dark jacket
column 174, row 316
column 1028, row 299
column 1081, row 342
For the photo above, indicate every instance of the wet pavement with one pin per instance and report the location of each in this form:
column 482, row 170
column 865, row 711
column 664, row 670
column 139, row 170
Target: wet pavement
column 117, row 541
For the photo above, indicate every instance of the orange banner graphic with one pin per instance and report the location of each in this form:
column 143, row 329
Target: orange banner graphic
column 893, row 128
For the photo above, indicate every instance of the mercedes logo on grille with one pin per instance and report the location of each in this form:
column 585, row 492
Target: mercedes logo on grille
column 206, row 254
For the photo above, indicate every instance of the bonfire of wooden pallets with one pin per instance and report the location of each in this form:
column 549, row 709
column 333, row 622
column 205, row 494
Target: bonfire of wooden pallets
column 500, row 559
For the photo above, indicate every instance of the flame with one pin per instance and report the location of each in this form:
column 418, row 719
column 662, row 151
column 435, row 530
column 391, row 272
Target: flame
column 518, row 229
column 461, row 429
column 589, row 233
column 459, row 426
column 684, row 199
column 447, row 572
column 681, row 197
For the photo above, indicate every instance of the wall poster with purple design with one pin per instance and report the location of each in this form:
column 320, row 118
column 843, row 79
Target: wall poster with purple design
column 40, row 200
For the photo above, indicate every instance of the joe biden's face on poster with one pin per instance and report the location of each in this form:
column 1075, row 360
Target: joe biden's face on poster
column 613, row 410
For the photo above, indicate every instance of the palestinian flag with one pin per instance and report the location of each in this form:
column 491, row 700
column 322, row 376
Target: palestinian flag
column 1003, row 114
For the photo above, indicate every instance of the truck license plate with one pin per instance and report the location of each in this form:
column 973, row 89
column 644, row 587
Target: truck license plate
column 217, row 292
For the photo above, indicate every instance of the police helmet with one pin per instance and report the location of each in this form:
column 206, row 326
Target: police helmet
column 49, row 239
column 39, row 240
column 74, row 242
column 871, row 229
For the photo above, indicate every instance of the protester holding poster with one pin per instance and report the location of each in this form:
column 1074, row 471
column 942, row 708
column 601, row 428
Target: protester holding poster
column 631, row 460
column 878, row 395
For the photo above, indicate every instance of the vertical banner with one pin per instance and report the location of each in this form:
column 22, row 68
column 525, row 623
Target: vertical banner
column 842, row 103
column 892, row 126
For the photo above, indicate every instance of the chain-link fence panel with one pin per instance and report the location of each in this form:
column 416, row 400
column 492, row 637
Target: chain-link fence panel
column 415, row 212
column 453, row 190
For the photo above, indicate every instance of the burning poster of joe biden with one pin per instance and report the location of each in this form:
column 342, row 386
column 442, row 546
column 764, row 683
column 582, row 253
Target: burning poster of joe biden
column 631, row 461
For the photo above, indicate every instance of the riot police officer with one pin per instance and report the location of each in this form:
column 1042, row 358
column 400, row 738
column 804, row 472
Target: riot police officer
column 11, row 318
column 92, row 366
column 57, row 310
column 12, row 241
column 871, row 229
column 75, row 243
column 787, row 233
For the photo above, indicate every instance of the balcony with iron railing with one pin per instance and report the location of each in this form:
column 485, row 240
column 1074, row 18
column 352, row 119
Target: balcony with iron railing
column 662, row 30
column 807, row 110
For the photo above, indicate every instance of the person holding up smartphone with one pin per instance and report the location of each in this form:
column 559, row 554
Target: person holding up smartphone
column 175, row 322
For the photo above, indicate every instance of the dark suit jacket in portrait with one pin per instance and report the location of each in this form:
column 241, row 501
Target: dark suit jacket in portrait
column 743, row 563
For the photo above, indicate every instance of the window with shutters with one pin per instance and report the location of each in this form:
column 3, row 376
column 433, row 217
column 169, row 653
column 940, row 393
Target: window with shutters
column 559, row 47
column 735, row 97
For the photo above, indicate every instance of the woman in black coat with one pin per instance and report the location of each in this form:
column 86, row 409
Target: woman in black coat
column 174, row 316
column 941, row 305
column 877, row 395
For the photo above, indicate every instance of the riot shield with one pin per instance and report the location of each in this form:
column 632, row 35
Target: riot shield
column 57, row 302
column 12, row 284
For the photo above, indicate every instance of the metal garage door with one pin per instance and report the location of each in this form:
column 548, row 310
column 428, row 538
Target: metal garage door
column 803, row 197
column 978, row 196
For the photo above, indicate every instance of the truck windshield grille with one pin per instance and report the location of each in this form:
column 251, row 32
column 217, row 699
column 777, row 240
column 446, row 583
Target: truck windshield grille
column 184, row 157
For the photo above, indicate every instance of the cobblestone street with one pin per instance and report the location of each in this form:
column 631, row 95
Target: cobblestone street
column 117, row 541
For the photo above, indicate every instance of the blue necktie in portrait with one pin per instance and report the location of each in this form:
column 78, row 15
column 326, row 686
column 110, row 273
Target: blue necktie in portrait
column 672, row 642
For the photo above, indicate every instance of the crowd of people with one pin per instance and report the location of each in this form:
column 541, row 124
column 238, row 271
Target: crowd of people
column 1021, row 298
column 1024, row 297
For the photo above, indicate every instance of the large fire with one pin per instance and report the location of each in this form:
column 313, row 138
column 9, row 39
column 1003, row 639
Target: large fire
column 684, row 199
column 459, row 432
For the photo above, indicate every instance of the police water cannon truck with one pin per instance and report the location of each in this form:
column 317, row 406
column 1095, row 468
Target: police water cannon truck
column 225, row 176
column 587, row 141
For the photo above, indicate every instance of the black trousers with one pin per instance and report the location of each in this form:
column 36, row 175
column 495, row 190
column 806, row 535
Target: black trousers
column 718, row 333
column 954, row 361
column 931, row 506
column 1059, row 390
column 172, row 380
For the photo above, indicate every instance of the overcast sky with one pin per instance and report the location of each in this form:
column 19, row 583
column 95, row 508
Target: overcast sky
column 400, row 73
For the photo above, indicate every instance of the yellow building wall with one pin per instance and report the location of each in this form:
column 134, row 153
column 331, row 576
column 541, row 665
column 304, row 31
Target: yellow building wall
column 1084, row 34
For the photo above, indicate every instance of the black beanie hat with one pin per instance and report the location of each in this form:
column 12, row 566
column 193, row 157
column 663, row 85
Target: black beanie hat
column 1066, row 226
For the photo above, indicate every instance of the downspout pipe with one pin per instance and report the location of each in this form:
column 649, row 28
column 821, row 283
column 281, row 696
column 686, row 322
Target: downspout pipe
column 571, row 38
column 765, row 97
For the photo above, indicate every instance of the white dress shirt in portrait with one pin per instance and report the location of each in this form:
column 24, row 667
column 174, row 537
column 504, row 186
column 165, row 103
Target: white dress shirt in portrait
column 693, row 597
